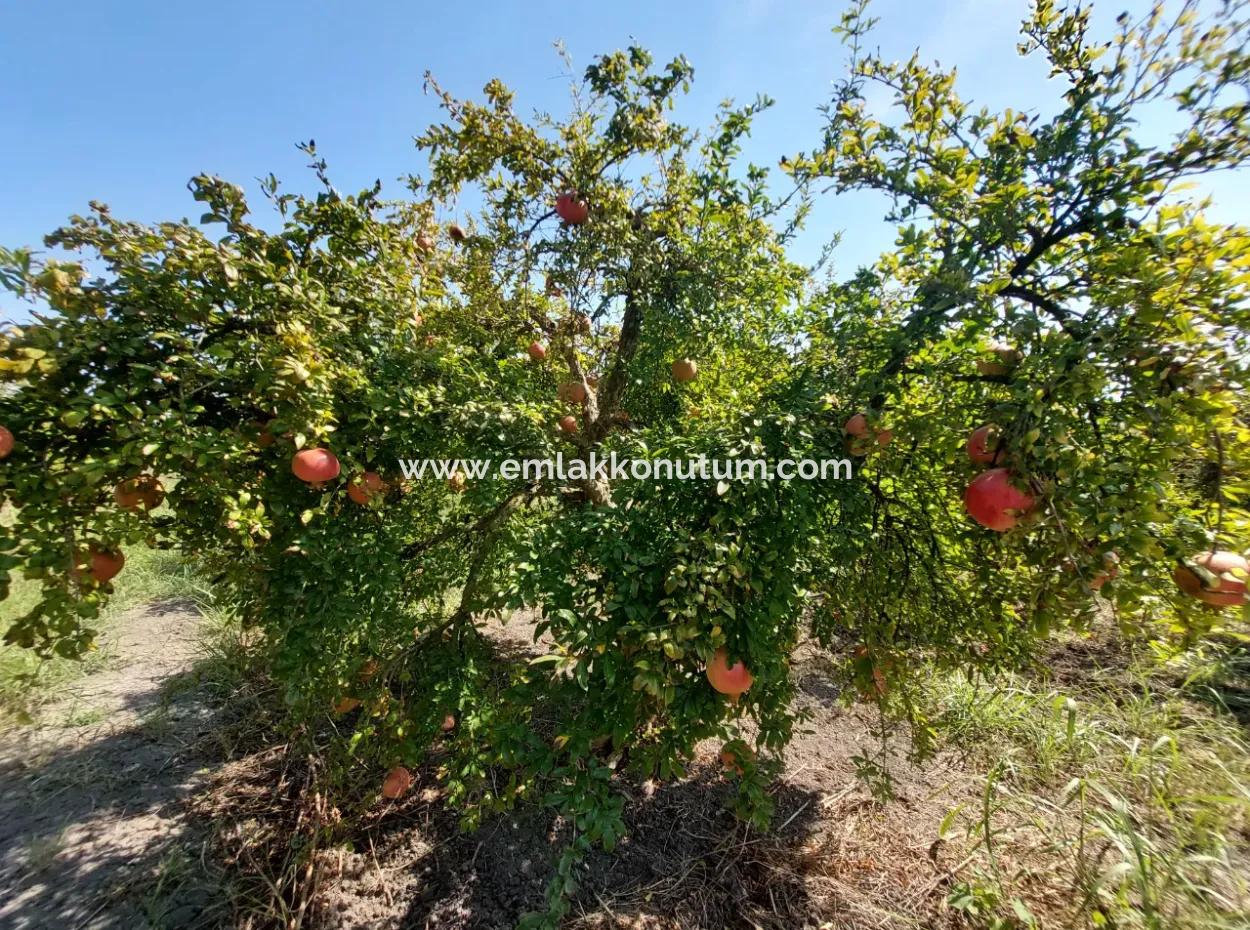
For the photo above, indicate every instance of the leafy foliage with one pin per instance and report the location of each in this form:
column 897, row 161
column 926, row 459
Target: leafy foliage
column 208, row 354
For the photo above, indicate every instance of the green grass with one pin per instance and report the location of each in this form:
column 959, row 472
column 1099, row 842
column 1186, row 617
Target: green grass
column 1122, row 800
column 26, row 680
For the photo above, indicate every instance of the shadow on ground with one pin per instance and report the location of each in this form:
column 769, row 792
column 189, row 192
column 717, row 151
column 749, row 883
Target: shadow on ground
column 91, row 827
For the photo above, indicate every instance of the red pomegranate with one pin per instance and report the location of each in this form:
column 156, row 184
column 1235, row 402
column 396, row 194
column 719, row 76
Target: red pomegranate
column 1229, row 588
column 983, row 445
column 457, row 233
column 995, row 502
column 398, row 781
column 6, row 442
column 104, row 564
column 368, row 486
column 1110, row 571
column 314, row 465
column 537, row 351
column 568, row 424
column 733, row 680
column 684, row 370
column 732, row 761
column 143, row 492
column 857, row 430
column 457, row 482
column 449, row 723
column 571, row 392
column 572, row 209
column 425, row 242
column 1007, row 358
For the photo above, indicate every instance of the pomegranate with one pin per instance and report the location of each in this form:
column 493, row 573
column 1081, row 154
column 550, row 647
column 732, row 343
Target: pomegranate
column 346, row 705
column 1110, row 571
column 857, row 430
column 457, row 482
column 571, row 392
column 398, row 781
column 425, row 242
column 983, row 447
column 449, row 723
column 568, row 424
column 6, row 442
column 457, row 233
column 994, row 502
column 684, row 370
column 105, row 564
column 140, row 493
column 733, row 680
column 314, row 465
column 732, row 761
column 1006, row 358
column 1229, row 587
column 264, row 438
column 366, row 487
column 572, row 209
column 537, row 351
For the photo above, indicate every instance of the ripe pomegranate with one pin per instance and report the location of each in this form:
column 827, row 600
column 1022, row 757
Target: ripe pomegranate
column 398, row 781
column 1006, row 359
column 449, row 723
column 264, row 438
column 568, row 424
column 983, row 447
column 733, row 680
column 346, row 705
column 314, row 465
column 457, row 482
column 537, row 351
column 571, row 392
column 457, row 233
column 140, row 493
column 684, row 370
column 732, row 761
column 425, row 242
column 1110, row 571
column 857, row 431
column 366, row 487
column 105, row 564
column 994, row 502
column 6, row 442
column 1229, row 587
column 572, row 209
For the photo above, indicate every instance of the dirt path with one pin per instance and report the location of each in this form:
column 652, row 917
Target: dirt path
column 92, row 833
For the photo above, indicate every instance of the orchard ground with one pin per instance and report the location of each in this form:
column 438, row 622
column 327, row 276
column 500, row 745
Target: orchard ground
column 1104, row 781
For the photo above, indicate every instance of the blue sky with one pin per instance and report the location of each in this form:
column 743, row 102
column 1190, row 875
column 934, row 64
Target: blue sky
column 124, row 101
